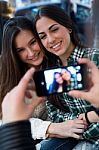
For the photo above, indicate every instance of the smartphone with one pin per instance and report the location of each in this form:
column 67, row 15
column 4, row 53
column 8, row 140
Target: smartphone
column 61, row 79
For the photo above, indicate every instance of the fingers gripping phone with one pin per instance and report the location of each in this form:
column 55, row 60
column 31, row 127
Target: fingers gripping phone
column 58, row 80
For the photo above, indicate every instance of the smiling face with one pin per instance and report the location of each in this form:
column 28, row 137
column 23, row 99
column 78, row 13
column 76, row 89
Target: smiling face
column 28, row 48
column 54, row 36
column 58, row 78
column 65, row 75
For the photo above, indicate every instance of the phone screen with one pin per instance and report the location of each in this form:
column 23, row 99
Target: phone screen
column 58, row 80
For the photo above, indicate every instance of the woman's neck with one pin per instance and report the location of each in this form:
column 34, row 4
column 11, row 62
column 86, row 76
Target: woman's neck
column 60, row 88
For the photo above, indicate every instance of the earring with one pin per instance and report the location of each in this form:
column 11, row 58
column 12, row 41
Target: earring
column 70, row 30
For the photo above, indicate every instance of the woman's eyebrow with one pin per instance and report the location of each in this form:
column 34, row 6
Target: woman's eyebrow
column 52, row 26
column 33, row 39
column 48, row 28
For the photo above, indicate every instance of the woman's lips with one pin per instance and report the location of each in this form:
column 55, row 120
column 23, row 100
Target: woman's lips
column 56, row 47
column 35, row 56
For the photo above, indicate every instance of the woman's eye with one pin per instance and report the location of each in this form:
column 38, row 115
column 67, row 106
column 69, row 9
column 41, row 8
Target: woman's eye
column 55, row 29
column 32, row 42
column 20, row 50
column 42, row 37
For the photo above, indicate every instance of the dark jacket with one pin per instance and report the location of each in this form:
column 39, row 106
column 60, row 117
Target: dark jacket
column 16, row 136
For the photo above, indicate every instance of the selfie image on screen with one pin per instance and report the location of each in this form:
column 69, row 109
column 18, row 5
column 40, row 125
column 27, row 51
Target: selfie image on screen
column 63, row 79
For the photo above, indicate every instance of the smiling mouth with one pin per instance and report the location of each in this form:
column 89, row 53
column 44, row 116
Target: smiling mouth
column 35, row 56
column 56, row 47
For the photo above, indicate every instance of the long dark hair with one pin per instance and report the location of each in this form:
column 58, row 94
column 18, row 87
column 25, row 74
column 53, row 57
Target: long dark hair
column 55, row 84
column 59, row 15
column 12, row 68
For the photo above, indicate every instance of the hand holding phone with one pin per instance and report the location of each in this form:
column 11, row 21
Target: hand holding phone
column 58, row 80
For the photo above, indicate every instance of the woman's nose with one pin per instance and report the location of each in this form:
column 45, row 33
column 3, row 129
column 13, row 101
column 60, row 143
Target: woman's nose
column 51, row 39
column 29, row 51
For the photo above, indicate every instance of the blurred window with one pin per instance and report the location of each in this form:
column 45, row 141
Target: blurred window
column 31, row 10
column 83, row 12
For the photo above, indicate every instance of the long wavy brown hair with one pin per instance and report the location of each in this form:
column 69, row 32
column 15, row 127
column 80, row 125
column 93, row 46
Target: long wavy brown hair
column 11, row 67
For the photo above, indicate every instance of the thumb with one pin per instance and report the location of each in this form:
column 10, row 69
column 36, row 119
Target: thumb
column 26, row 78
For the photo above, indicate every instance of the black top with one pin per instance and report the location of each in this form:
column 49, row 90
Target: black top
column 16, row 136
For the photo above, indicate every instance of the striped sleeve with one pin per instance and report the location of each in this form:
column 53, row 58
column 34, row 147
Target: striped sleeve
column 16, row 136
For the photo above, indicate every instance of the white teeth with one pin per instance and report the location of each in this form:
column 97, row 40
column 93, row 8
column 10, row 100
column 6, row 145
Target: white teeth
column 56, row 45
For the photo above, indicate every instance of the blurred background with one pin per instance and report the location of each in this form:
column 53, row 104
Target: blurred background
column 83, row 12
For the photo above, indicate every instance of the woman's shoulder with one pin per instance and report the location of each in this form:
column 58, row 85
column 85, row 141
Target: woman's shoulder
column 92, row 54
column 91, row 50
